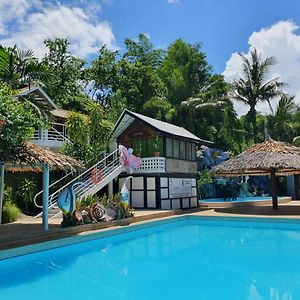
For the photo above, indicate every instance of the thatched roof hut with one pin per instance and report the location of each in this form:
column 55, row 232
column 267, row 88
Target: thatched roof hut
column 260, row 159
column 267, row 158
column 30, row 157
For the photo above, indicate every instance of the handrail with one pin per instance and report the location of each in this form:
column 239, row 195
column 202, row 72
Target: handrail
column 57, row 181
column 82, row 190
column 89, row 170
column 51, row 185
column 52, row 199
column 53, row 133
column 64, row 136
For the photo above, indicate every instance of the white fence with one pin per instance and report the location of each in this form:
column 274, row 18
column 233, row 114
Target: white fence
column 152, row 165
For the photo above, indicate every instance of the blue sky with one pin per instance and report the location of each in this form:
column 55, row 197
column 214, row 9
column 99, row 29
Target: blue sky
column 224, row 27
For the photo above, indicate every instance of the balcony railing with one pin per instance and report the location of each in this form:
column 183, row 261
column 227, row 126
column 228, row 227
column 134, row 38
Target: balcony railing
column 152, row 165
column 56, row 135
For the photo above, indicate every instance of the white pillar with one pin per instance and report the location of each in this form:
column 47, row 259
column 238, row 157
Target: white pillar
column 1, row 188
column 110, row 188
column 46, row 175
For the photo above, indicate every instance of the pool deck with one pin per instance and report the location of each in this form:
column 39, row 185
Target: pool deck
column 28, row 230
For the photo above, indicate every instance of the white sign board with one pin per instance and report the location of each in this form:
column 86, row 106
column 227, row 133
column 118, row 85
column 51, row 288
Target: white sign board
column 180, row 187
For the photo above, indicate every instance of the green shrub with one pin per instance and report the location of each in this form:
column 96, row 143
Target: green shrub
column 89, row 200
column 8, row 194
column 10, row 212
column 204, row 178
column 122, row 208
column 26, row 192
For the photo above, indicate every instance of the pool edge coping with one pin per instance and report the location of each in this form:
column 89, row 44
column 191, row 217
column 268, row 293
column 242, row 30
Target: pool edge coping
column 112, row 231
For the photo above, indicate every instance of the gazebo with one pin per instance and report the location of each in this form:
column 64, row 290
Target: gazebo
column 29, row 157
column 268, row 158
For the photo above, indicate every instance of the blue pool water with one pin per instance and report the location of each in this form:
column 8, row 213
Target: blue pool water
column 187, row 259
column 240, row 199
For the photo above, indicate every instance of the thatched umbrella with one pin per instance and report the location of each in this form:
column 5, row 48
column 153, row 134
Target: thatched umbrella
column 267, row 158
column 30, row 157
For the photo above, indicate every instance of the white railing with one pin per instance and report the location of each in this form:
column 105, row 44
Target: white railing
column 57, row 132
column 152, row 165
column 83, row 184
column 56, row 183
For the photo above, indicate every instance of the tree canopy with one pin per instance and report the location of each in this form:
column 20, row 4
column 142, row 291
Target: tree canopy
column 176, row 85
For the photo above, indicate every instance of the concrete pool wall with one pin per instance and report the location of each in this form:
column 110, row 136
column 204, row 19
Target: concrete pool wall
column 258, row 202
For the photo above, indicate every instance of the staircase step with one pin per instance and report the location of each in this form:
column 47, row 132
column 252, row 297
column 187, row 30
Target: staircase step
column 110, row 168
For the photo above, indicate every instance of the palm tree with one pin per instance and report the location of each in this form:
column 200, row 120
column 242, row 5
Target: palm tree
column 281, row 123
column 213, row 94
column 19, row 67
column 253, row 87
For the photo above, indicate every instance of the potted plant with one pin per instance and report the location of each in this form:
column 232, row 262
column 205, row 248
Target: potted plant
column 156, row 147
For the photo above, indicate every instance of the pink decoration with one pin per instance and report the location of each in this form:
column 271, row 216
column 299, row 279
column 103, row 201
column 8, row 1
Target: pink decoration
column 127, row 159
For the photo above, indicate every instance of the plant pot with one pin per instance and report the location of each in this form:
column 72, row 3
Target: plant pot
column 157, row 154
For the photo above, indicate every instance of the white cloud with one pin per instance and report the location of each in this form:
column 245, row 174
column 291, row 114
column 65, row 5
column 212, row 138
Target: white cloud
column 281, row 41
column 12, row 11
column 86, row 33
column 173, row 1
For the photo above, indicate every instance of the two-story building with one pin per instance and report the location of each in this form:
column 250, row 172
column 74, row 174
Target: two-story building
column 167, row 181
column 56, row 135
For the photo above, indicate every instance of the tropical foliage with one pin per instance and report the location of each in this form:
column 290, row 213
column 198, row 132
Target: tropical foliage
column 19, row 121
column 254, row 87
column 175, row 85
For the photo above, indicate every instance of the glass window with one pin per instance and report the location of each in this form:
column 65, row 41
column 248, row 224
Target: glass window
column 193, row 151
column 182, row 149
column 169, row 146
column 188, row 151
column 176, row 148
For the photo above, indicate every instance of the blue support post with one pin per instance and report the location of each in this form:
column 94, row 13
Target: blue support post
column 46, row 175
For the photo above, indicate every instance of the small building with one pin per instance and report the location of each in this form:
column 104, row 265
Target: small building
column 167, row 180
column 55, row 136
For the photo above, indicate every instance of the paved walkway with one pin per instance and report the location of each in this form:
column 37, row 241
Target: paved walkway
column 28, row 230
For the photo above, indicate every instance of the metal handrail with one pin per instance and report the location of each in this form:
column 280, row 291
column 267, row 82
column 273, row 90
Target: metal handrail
column 58, row 181
column 54, row 134
column 84, row 177
column 64, row 136
column 51, row 185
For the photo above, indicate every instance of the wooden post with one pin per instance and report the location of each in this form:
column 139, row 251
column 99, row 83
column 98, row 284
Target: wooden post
column 1, row 188
column 46, row 175
column 274, row 189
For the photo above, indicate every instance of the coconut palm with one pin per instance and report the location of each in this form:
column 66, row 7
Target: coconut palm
column 19, row 67
column 281, row 123
column 253, row 87
column 213, row 94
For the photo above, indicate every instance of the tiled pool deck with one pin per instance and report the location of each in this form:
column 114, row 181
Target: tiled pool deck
column 28, row 230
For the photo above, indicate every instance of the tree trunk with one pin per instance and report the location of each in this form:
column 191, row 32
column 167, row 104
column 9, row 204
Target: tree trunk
column 252, row 114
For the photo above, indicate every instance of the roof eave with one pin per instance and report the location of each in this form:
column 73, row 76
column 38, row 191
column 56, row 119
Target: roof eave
column 126, row 111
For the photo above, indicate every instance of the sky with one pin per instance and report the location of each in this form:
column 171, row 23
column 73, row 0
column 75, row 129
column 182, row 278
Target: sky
column 223, row 27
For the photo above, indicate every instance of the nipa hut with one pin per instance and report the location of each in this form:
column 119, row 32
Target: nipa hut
column 267, row 158
column 29, row 157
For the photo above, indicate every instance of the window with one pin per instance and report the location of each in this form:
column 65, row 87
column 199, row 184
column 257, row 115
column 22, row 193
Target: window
column 176, row 148
column 193, row 151
column 188, row 151
column 169, row 146
column 182, row 149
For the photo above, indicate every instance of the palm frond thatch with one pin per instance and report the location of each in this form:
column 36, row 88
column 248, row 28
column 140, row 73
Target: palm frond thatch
column 260, row 159
column 30, row 157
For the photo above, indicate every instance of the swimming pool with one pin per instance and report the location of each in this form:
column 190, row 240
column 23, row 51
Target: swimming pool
column 187, row 258
column 241, row 201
